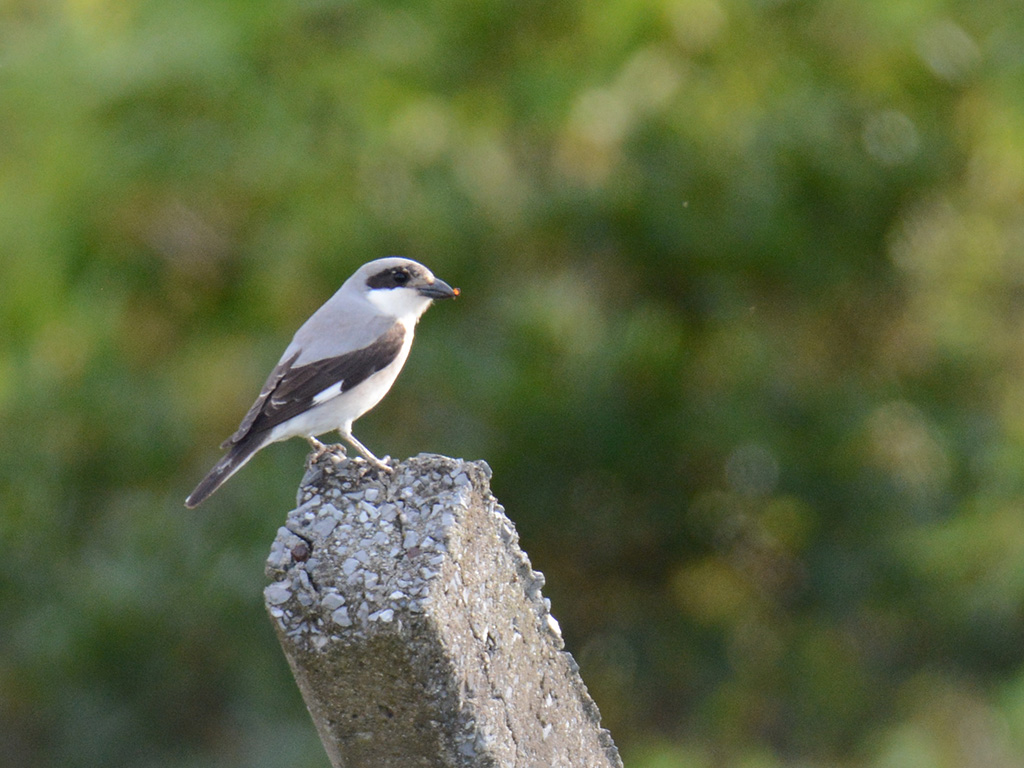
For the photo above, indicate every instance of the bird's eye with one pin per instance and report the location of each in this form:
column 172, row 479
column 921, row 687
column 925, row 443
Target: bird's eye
column 400, row 276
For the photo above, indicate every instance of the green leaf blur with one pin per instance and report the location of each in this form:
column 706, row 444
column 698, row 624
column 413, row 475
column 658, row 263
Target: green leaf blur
column 741, row 334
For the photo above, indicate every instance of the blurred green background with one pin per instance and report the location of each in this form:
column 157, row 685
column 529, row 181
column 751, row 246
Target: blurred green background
column 742, row 336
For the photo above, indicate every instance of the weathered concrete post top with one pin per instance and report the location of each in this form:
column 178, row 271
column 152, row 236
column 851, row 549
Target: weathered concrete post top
column 416, row 628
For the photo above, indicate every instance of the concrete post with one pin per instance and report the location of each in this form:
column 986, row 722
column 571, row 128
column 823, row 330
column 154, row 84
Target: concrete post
column 416, row 628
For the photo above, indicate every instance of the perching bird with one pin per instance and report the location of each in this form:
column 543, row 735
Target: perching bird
column 340, row 364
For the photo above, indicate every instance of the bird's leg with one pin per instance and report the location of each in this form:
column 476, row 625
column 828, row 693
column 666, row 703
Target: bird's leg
column 319, row 449
column 373, row 460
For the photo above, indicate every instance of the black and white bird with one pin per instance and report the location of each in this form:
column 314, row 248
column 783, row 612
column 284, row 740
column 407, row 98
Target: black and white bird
column 339, row 365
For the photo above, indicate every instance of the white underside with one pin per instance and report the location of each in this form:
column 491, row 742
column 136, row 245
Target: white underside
column 337, row 412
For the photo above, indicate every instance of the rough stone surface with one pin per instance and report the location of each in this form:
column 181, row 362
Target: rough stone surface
column 416, row 627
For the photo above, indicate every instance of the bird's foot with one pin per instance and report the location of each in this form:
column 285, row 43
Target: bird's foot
column 366, row 453
column 374, row 466
column 320, row 450
column 383, row 465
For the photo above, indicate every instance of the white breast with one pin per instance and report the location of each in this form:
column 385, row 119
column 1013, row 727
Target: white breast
column 337, row 412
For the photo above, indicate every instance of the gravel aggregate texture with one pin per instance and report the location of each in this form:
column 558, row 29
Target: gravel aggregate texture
column 416, row 627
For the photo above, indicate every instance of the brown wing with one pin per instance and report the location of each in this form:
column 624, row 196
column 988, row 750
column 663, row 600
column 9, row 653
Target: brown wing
column 279, row 372
column 290, row 390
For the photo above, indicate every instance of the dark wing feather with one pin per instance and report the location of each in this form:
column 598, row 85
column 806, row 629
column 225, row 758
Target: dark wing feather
column 280, row 371
column 290, row 391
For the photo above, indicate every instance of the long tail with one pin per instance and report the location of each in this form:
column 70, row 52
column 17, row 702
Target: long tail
column 233, row 461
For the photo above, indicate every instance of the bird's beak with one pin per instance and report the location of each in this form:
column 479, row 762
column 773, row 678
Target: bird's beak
column 438, row 289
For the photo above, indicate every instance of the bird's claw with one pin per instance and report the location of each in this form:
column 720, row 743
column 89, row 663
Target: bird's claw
column 320, row 450
column 380, row 465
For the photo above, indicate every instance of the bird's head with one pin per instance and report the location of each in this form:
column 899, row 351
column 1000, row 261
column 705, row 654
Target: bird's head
column 401, row 287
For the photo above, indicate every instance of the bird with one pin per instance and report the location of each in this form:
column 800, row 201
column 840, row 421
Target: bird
column 340, row 364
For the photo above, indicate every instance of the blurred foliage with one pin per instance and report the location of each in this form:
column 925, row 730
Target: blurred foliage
column 742, row 336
